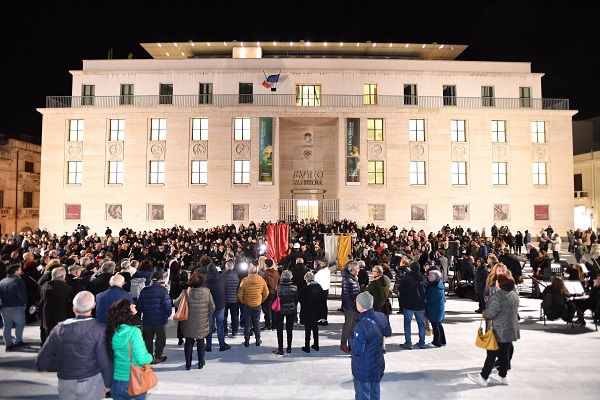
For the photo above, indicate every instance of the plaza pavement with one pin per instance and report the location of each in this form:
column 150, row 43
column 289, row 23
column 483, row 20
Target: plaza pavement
column 550, row 362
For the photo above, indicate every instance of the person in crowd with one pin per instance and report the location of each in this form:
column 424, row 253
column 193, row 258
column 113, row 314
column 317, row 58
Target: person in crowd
column 100, row 281
column 556, row 245
column 350, row 289
column 311, row 308
column 479, row 283
column 490, row 284
column 253, row 291
column 435, row 302
column 56, row 299
column 175, row 274
column 30, row 275
column 125, row 346
column 379, row 289
column 272, row 277
column 288, row 301
column 502, row 312
column 323, row 278
column 13, row 300
column 580, row 250
column 216, row 285
column 556, row 301
column 106, row 299
column 76, row 350
column 200, row 309
column 513, row 264
column 298, row 273
column 232, row 306
column 413, row 287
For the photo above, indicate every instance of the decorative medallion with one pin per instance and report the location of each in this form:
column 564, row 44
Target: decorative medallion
column 459, row 150
column 308, row 137
column 417, row 150
column 307, row 154
column 500, row 151
column 241, row 149
column 115, row 149
column 376, row 150
column 74, row 150
column 199, row 148
column 157, row 149
column 541, row 151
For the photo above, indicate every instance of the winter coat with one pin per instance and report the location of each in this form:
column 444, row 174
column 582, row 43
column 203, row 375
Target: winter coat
column 56, row 300
column 216, row 284
column 99, row 282
column 232, row 284
column 298, row 273
column 200, row 308
column 366, row 343
column 502, row 310
column 271, row 276
column 106, row 299
column 124, row 335
column 350, row 290
column 481, row 274
column 311, row 303
column 288, row 294
column 379, row 289
column 435, row 301
column 253, row 290
column 412, row 291
column 13, row 291
column 154, row 304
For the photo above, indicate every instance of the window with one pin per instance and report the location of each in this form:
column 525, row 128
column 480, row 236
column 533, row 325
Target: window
column 308, row 95
column 88, row 93
column 199, row 172
column 157, row 172
column 459, row 173
column 525, row 97
column 499, row 173
column 74, row 172
column 416, row 130
column 578, row 182
column 199, row 128
column 126, row 94
column 27, row 199
column 158, row 129
column 2, row 198
column 375, row 129
column 117, row 129
column 410, row 94
column 29, row 166
column 538, row 132
column 457, row 131
column 487, row 96
column 370, row 93
column 241, row 129
column 241, row 172
column 498, row 131
column 76, row 130
column 539, row 173
column 115, row 172
column 376, row 173
column 166, row 93
column 245, row 93
column 205, row 93
column 449, row 93
column 417, row 172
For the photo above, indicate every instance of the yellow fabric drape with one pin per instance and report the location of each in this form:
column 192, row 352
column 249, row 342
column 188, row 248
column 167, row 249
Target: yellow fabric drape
column 344, row 248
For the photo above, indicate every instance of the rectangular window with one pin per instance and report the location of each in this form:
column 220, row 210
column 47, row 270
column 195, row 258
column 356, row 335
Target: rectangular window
column 410, row 94
column 416, row 130
column 126, row 98
column 376, row 173
column 205, row 93
column 374, row 128
column 76, row 130
column 308, row 95
column 525, row 97
column 499, row 173
column 199, row 172
column 157, row 172
column 578, row 182
column 115, row 172
column 417, row 172
column 27, row 199
column 459, row 173
column 117, row 130
column 166, row 93
column 29, row 166
column 487, row 96
column 538, row 132
column 241, row 171
column 158, row 129
column 199, row 128
column 74, row 172
column 245, row 91
column 539, row 173
column 241, row 129
column 370, row 93
column 457, row 131
column 449, row 93
column 87, row 95
column 1, row 198
column 498, row 131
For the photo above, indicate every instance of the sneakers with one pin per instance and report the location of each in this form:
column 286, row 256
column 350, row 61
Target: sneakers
column 478, row 379
column 406, row 346
column 345, row 349
column 432, row 346
column 428, row 332
column 421, row 346
column 499, row 379
column 224, row 347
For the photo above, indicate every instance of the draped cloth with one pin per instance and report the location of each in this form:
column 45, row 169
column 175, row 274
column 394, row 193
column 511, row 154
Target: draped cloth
column 331, row 248
column 344, row 248
column 277, row 241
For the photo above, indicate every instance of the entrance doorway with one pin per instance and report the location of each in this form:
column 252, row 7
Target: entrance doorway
column 307, row 209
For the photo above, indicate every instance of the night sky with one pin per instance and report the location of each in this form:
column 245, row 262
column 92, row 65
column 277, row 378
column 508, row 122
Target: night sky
column 42, row 42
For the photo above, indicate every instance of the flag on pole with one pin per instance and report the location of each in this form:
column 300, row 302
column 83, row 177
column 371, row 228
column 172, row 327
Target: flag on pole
column 266, row 84
column 273, row 78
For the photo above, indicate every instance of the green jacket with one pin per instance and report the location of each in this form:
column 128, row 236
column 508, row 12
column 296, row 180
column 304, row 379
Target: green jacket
column 120, row 344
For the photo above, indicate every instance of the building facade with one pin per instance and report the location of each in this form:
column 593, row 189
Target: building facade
column 205, row 134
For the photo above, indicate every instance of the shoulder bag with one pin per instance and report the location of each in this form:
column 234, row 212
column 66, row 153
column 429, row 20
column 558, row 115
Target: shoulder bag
column 276, row 305
column 141, row 379
column 486, row 340
column 182, row 311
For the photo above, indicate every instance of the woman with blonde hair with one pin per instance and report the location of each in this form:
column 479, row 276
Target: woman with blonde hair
column 490, row 283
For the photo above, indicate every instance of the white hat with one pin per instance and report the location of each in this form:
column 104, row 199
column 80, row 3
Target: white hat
column 296, row 245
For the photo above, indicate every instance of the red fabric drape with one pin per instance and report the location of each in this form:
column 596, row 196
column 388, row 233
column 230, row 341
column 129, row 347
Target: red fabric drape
column 277, row 241
column 271, row 241
column 282, row 247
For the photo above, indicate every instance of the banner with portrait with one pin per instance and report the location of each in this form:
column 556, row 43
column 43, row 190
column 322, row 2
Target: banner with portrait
column 265, row 149
column 352, row 150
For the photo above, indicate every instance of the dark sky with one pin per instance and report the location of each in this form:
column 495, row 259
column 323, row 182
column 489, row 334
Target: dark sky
column 42, row 42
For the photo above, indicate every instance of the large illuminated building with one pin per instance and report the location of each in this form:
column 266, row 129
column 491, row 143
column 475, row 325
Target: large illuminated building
column 208, row 133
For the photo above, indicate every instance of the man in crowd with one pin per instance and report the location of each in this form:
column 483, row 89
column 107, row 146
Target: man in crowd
column 232, row 284
column 13, row 300
column 350, row 290
column 107, row 298
column 56, row 300
column 412, row 289
column 252, row 293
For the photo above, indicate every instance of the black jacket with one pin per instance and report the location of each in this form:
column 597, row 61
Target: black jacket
column 288, row 294
column 412, row 290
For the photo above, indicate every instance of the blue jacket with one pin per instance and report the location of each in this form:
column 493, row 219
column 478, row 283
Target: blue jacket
column 412, row 290
column 435, row 301
column 216, row 285
column 106, row 299
column 350, row 289
column 154, row 304
column 232, row 284
column 13, row 291
column 366, row 342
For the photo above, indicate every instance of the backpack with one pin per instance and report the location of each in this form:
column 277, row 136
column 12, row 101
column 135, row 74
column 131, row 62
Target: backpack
column 137, row 284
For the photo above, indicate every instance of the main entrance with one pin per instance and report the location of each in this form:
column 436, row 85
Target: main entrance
column 307, row 209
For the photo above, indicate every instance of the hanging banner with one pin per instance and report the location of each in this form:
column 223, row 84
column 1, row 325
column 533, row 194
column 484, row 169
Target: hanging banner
column 352, row 150
column 265, row 148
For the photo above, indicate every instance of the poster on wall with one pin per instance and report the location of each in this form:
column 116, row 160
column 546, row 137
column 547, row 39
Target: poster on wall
column 240, row 212
column 460, row 212
column 72, row 211
column 352, row 151
column 198, row 212
column 265, row 145
column 541, row 213
column 501, row 212
column 418, row 212
column 156, row 212
column 114, row 211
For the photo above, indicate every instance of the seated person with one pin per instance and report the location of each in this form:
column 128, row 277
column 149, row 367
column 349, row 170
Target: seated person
column 575, row 273
column 544, row 264
column 590, row 303
column 556, row 303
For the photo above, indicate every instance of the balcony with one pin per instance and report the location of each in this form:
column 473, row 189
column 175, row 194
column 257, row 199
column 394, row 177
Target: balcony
column 29, row 212
column 4, row 211
column 291, row 100
column 29, row 176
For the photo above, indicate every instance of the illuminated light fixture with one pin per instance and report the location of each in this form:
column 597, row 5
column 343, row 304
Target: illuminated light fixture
column 194, row 44
column 242, row 44
column 174, row 44
column 307, row 44
column 452, row 48
column 182, row 53
column 442, row 46
column 168, row 54
column 225, row 44
column 357, row 44
column 390, row 45
column 374, row 44
column 274, row 43
column 291, row 44
column 406, row 45
column 159, row 45
column 341, row 44
column 423, row 46
column 325, row 44
column 258, row 44
column 207, row 43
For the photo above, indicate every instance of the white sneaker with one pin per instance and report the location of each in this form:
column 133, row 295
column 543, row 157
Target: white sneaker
column 478, row 379
column 499, row 379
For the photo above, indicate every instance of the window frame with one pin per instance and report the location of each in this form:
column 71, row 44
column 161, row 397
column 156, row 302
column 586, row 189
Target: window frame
column 88, row 94
column 459, row 173
column 416, row 133
column 410, row 94
column 487, row 96
column 241, row 172
column 525, row 97
column 240, row 130
column 537, row 174
column 499, row 176
column 205, row 93
column 165, row 94
column 375, row 172
column 245, row 93
column 498, row 133
column 159, row 132
column 308, row 95
column 199, row 132
column 115, row 172
column 201, row 173
column 370, row 94
column 535, row 132
column 456, row 133
column 74, row 172
column 126, row 97
column 450, row 97
column 27, row 200
column 76, row 133
column 156, row 172
column 116, row 134
column 418, row 173
column 374, row 132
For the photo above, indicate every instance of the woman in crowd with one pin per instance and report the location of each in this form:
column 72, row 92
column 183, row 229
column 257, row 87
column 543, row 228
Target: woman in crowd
column 200, row 308
column 556, row 301
column 518, row 242
column 288, row 295
column 125, row 346
column 271, row 276
column 502, row 312
column 490, row 283
column 479, row 282
column 435, row 306
column 31, row 275
column 311, row 310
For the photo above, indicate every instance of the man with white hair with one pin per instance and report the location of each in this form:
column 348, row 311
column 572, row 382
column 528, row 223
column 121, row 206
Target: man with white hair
column 100, row 281
column 107, row 298
column 56, row 300
column 76, row 350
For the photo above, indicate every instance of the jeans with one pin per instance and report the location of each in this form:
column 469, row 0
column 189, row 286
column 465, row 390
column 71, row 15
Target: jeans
column 503, row 355
column 366, row 390
column 150, row 331
column 12, row 315
column 235, row 317
column 252, row 315
column 419, row 316
column 349, row 324
column 289, row 325
column 219, row 316
column 118, row 391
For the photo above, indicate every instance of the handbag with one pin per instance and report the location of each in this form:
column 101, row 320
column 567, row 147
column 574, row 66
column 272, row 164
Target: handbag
column 182, row 311
column 486, row 340
column 276, row 305
column 141, row 379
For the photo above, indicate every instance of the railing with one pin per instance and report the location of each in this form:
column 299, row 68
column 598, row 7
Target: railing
column 5, row 211
column 29, row 175
column 291, row 100
column 29, row 212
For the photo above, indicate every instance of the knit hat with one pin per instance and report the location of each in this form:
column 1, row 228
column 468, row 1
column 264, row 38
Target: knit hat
column 414, row 267
column 365, row 300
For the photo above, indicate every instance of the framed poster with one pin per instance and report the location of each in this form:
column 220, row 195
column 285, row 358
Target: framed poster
column 198, row 212
column 156, row 212
column 376, row 212
column 352, row 150
column 541, row 212
column 460, row 212
column 418, row 212
column 240, row 212
column 72, row 211
column 501, row 212
column 114, row 211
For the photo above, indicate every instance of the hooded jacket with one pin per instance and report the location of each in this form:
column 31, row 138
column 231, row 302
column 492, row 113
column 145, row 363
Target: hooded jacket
column 120, row 344
column 200, row 308
column 216, row 284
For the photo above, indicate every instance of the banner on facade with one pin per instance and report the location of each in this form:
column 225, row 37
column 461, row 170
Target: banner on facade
column 265, row 144
column 352, row 150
